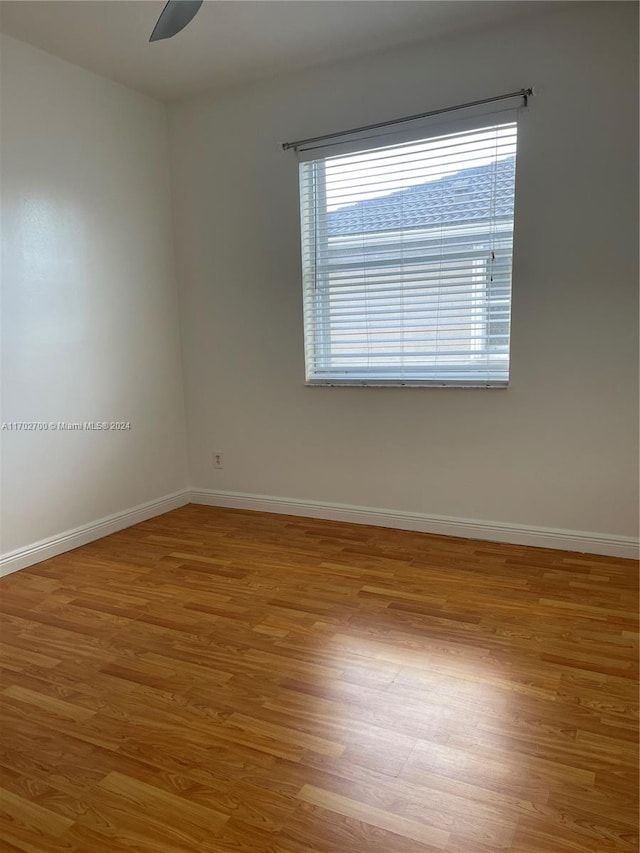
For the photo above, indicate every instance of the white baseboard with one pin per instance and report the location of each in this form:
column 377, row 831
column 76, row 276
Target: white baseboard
column 516, row 534
column 467, row 528
column 46, row 548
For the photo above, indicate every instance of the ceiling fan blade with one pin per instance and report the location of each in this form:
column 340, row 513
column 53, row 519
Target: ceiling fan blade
column 174, row 17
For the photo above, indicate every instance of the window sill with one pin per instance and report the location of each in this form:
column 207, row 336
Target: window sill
column 417, row 383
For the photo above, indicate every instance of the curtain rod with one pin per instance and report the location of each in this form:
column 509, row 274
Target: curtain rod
column 525, row 94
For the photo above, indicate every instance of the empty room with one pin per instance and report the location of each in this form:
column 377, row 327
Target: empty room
column 319, row 434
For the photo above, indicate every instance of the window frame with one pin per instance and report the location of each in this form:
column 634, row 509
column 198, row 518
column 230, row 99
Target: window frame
column 322, row 374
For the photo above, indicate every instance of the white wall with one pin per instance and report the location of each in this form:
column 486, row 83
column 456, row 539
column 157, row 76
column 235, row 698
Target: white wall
column 89, row 320
column 558, row 448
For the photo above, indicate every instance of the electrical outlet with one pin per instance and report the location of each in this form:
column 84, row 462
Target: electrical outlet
column 218, row 459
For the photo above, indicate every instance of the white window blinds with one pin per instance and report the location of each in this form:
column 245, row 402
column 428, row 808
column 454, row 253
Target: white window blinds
column 406, row 255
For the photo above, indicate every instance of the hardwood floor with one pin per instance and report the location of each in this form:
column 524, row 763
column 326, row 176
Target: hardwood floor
column 216, row 680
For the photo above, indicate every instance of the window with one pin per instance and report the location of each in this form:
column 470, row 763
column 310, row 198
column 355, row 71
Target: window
column 406, row 255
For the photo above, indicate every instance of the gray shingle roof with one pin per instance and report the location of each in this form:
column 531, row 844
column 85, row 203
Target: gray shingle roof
column 463, row 197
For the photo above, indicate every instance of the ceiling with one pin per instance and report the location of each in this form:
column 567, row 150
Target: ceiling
column 233, row 41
